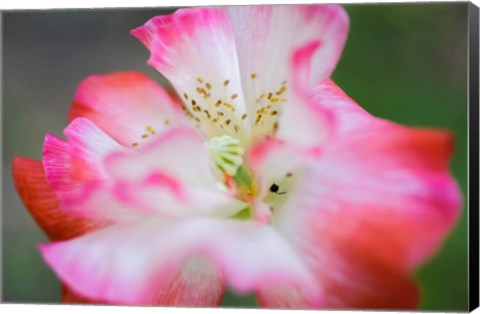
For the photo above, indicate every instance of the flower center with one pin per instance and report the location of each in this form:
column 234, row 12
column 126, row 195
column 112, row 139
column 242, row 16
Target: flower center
column 226, row 154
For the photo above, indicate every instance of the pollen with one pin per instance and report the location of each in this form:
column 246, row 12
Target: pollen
column 253, row 75
column 199, row 79
column 225, row 83
column 234, row 96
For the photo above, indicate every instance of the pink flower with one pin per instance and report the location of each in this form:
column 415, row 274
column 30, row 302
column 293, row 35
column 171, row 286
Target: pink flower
column 264, row 177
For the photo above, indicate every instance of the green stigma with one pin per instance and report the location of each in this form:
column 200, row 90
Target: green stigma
column 226, row 153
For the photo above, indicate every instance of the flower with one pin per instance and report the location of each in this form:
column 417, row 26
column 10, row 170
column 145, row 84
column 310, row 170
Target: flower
column 262, row 175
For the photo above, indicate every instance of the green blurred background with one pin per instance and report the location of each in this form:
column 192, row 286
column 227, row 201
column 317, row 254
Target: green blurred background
column 403, row 62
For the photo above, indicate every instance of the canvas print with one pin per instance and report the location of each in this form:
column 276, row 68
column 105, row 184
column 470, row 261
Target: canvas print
column 278, row 156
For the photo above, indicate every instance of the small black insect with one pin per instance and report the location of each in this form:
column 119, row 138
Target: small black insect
column 274, row 189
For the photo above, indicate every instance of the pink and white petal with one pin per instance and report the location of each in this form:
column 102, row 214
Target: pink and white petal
column 393, row 183
column 126, row 105
column 179, row 153
column 128, row 264
column 44, row 206
column 345, row 113
column 68, row 165
column 159, row 193
column 195, row 50
column 303, row 121
column 349, row 281
column 197, row 284
column 266, row 38
column 369, row 210
column 97, row 200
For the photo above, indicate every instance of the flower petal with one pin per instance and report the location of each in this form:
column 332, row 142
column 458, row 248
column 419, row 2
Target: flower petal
column 195, row 50
column 43, row 204
column 302, row 121
column 345, row 113
column 266, row 38
column 197, row 284
column 156, row 180
column 370, row 208
column 127, row 264
column 126, row 105
column 68, row 165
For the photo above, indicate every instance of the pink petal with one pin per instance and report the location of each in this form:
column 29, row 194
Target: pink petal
column 303, row 121
column 196, row 285
column 366, row 212
column 345, row 113
column 195, row 50
column 126, row 105
column 68, row 165
column 267, row 37
column 160, row 179
column 171, row 152
column 127, row 264
column 44, row 206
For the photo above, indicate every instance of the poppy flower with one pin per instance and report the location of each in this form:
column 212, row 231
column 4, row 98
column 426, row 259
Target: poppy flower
column 262, row 175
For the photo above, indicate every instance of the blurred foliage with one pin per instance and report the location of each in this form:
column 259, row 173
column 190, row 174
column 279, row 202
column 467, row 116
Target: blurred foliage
column 403, row 62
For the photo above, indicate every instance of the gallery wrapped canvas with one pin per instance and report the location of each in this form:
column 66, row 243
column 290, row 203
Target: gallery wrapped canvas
column 279, row 156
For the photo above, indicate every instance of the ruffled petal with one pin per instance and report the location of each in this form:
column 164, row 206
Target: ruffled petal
column 367, row 211
column 196, row 284
column 344, row 112
column 127, row 264
column 267, row 37
column 195, row 50
column 163, row 178
column 44, row 206
column 128, row 106
column 69, row 165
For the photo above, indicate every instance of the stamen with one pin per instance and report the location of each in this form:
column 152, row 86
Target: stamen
column 150, row 129
column 253, row 75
